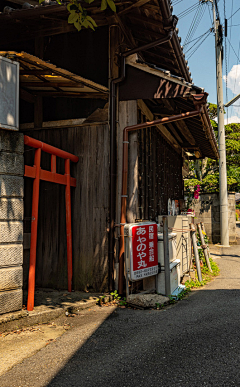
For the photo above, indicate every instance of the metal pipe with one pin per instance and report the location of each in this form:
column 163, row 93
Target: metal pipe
column 49, row 149
column 34, row 224
column 127, row 129
column 113, row 146
column 68, row 223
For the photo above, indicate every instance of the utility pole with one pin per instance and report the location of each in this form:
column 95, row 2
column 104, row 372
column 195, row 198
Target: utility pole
column 223, row 194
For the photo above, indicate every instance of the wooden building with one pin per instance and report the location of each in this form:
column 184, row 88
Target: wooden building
column 78, row 91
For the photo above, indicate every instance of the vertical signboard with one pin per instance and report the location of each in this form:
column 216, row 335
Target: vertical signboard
column 141, row 250
column 9, row 94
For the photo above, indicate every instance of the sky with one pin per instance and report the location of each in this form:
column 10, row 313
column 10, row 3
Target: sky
column 196, row 21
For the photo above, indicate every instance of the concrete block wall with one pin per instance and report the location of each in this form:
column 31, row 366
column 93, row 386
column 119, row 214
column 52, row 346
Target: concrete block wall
column 207, row 210
column 11, row 220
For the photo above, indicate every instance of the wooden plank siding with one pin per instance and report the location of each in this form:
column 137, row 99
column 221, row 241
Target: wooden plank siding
column 90, row 210
column 161, row 167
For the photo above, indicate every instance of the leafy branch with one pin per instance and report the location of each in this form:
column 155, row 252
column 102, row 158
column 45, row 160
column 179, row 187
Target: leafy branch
column 78, row 15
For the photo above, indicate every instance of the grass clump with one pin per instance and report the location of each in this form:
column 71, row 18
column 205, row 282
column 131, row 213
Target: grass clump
column 207, row 276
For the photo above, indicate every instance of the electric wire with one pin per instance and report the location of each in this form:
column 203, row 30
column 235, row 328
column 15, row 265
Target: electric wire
column 230, row 39
column 210, row 15
column 234, row 13
column 176, row 2
column 236, row 68
column 187, row 11
column 207, row 32
column 199, row 45
column 237, row 55
column 226, row 67
column 234, row 25
column 197, row 38
column 195, row 22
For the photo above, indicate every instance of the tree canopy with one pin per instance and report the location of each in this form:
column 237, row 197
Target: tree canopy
column 205, row 172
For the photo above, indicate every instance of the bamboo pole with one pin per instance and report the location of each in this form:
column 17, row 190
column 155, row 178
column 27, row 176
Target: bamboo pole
column 204, row 247
column 195, row 249
column 204, row 230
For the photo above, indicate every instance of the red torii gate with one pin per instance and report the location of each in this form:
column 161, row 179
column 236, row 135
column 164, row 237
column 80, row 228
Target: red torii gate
column 38, row 174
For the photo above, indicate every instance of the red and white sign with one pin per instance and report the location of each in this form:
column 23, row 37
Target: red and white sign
column 143, row 250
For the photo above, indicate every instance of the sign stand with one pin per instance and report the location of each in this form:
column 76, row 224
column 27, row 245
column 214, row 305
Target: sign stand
column 141, row 252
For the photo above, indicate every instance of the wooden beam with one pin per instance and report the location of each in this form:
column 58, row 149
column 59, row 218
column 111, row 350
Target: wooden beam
column 180, row 124
column 51, row 84
column 71, row 94
column 26, row 96
column 135, row 5
column 174, row 131
column 54, row 124
column 21, row 2
column 36, row 72
column 140, row 19
column 165, row 133
column 186, row 132
column 126, row 32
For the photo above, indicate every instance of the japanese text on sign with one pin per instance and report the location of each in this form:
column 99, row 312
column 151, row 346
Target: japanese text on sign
column 144, row 251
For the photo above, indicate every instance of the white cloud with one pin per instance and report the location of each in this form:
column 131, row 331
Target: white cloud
column 233, row 80
column 232, row 120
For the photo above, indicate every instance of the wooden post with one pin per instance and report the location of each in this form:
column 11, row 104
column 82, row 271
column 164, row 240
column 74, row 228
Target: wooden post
column 204, row 247
column 195, row 249
column 68, row 223
column 166, row 256
column 34, row 224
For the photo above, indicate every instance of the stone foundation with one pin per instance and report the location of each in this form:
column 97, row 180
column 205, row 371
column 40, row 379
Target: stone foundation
column 11, row 220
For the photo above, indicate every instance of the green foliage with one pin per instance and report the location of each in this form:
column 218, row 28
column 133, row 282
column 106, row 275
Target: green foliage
column 115, row 295
column 78, row 15
column 209, row 181
column 212, row 111
column 123, row 302
column 206, row 274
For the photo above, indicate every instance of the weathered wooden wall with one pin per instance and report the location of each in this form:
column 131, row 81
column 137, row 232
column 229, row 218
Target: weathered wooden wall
column 160, row 174
column 90, row 202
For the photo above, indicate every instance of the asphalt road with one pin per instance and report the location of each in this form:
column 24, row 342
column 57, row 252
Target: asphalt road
column 193, row 343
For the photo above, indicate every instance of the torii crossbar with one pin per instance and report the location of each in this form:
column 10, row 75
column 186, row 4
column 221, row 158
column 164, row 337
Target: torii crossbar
column 38, row 174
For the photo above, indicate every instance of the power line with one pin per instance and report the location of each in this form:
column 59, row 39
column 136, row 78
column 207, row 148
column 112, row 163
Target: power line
column 195, row 22
column 225, row 41
column 196, row 38
column 230, row 35
column 188, row 10
column 236, row 67
column 234, row 13
column 199, row 45
column 233, row 50
column 199, row 38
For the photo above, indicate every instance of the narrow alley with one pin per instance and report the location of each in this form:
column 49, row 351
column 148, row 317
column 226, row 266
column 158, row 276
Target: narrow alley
column 192, row 343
